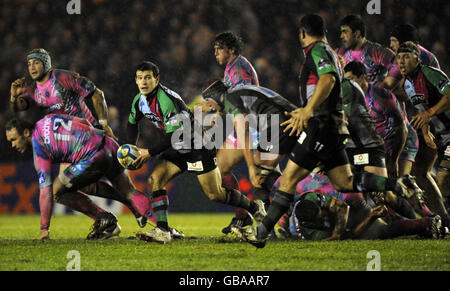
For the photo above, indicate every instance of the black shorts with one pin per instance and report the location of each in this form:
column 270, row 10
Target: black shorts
column 319, row 143
column 361, row 157
column 197, row 162
column 102, row 163
column 281, row 146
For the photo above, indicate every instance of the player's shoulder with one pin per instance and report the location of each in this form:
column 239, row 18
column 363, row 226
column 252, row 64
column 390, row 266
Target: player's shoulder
column 378, row 90
column 243, row 61
column 136, row 98
column 169, row 92
column 375, row 46
column 65, row 73
column 432, row 71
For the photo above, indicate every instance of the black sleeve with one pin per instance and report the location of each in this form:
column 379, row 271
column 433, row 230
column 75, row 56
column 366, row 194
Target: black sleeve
column 160, row 144
column 132, row 133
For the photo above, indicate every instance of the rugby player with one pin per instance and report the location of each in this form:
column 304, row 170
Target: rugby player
column 61, row 91
column 170, row 115
column 321, row 132
column 238, row 71
column 428, row 90
column 377, row 59
column 61, row 138
column 318, row 216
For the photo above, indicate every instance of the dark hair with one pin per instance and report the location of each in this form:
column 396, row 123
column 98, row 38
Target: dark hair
column 355, row 23
column 230, row 40
column 313, row 24
column 405, row 32
column 306, row 210
column 19, row 124
column 356, row 68
column 148, row 66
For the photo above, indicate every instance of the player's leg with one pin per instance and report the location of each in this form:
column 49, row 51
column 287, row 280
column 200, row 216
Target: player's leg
column 426, row 158
column 212, row 186
column 136, row 199
column 104, row 189
column 281, row 202
column 339, row 171
column 162, row 173
column 77, row 176
column 268, row 169
column 227, row 159
column 398, row 204
column 443, row 181
column 427, row 227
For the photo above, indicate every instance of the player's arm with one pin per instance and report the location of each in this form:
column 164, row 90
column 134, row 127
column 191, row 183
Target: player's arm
column 43, row 166
column 423, row 118
column 375, row 213
column 243, row 135
column 158, row 145
column 300, row 116
column 339, row 209
column 400, row 134
column 101, row 108
column 441, row 83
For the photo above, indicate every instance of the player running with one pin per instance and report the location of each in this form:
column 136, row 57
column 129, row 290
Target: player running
column 61, row 138
column 171, row 116
column 238, row 71
column 262, row 110
column 322, row 131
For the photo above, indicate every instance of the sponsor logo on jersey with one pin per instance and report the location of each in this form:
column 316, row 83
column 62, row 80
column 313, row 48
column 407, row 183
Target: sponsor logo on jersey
column 443, row 84
column 196, row 166
column 322, row 64
column 361, row 159
column 418, row 99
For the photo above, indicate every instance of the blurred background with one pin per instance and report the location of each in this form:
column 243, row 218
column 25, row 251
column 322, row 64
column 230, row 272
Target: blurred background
column 108, row 39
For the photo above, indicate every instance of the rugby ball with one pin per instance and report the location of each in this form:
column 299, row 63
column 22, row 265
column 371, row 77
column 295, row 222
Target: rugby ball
column 126, row 155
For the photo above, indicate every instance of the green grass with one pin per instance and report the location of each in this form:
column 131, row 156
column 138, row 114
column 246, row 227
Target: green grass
column 206, row 249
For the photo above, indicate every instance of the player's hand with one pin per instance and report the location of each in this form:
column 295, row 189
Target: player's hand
column 378, row 211
column 208, row 106
column 143, row 158
column 429, row 139
column 18, row 87
column 421, row 119
column 45, row 234
column 298, row 121
column 255, row 178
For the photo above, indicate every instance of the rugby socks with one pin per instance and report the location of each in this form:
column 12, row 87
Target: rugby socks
column 279, row 206
column 143, row 205
column 230, row 182
column 160, row 205
column 368, row 182
column 237, row 199
column 424, row 212
column 407, row 227
column 104, row 190
column 82, row 203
